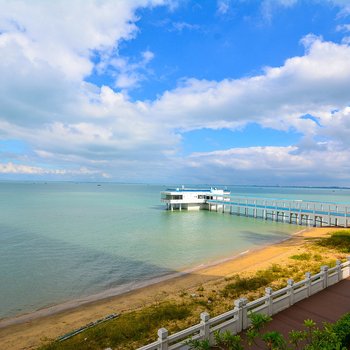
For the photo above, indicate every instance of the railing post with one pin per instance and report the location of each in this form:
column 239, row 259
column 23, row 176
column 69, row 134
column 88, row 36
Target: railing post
column 338, row 264
column 163, row 339
column 204, row 332
column 240, row 305
column 324, row 270
column 345, row 216
column 268, row 293
column 314, row 216
column 308, row 283
column 238, row 309
column 347, row 271
column 255, row 210
column 290, row 283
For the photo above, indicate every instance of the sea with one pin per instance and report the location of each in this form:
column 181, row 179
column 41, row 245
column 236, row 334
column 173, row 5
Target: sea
column 63, row 241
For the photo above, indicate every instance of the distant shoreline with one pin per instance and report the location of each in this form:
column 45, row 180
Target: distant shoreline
column 167, row 184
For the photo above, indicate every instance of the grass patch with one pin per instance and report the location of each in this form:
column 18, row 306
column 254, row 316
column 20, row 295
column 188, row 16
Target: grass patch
column 128, row 328
column 262, row 278
column 317, row 257
column 339, row 240
column 303, row 256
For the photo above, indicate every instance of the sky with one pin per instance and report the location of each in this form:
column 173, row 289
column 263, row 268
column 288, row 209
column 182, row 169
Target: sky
column 176, row 91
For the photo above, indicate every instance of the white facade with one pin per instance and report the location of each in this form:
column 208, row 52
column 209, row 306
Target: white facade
column 191, row 198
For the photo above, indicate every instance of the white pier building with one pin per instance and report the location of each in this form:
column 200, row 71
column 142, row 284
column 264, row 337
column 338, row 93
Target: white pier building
column 193, row 198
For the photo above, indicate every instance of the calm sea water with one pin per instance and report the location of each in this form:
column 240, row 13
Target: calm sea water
column 62, row 241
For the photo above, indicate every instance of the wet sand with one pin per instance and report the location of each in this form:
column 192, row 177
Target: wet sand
column 32, row 330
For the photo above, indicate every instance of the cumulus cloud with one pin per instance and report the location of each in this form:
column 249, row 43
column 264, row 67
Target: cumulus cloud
column 128, row 74
column 311, row 84
column 67, row 32
column 336, row 126
column 46, row 101
column 274, row 165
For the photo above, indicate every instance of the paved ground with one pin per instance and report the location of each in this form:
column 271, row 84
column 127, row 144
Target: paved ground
column 326, row 306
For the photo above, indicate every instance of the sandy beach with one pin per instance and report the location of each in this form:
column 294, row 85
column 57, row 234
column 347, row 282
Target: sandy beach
column 32, row 330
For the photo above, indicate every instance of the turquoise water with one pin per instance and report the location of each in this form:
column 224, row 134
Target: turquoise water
column 62, row 241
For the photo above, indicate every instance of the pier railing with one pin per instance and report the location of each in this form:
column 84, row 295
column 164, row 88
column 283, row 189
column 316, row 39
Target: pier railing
column 237, row 319
column 286, row 210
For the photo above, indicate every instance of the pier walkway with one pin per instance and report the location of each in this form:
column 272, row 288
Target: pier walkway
column 326, row 306
column 285, row 210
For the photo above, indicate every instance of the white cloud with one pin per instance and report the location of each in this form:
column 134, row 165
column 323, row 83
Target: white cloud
column 21, row 169
column 223, row 6
column 46, row 103
column 180, row 26
column 314, row 83
column 336, row 126
column 68, row 33
column 273, row 165
column 106, row 125
column 344, row 6
column 346, row 40
column 128, row 74
column 343, row 28
column 268, row 7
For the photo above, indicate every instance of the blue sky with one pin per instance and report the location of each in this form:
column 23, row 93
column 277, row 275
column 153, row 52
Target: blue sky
column 232, row 92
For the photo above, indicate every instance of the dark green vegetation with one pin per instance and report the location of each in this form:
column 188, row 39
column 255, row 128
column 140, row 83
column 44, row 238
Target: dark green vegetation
column 339, row 240
column 261, row 279
column 136, row 328
column 306, row 257
column 129, row 327
column 303, row 256
column 329, row 337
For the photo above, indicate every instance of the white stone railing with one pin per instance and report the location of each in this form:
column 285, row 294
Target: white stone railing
column 237, row 319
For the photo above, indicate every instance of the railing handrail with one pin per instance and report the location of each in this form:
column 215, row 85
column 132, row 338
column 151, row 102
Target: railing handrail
column 237, row 318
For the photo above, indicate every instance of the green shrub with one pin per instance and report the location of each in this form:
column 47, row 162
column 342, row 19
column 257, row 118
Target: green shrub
column 342, row 329
column 303, row 256
column 245, row 284
column 274, row 340
column 325, row 339
column 227, row 340
column 262, row 278
column 196, row 344
column 339, row 240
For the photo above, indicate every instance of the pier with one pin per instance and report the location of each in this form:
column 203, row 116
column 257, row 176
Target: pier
column 292, row 211
column 298, row 212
